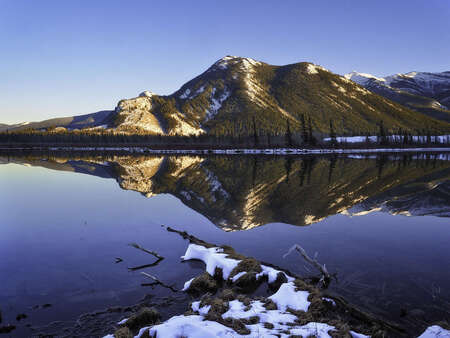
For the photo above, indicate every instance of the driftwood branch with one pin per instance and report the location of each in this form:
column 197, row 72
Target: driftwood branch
column 158, row 282
column 134, row 268
column 158, row 257
column 326, row 277
column 137, row 246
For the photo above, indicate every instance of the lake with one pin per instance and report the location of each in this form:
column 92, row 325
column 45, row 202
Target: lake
column 379, row 222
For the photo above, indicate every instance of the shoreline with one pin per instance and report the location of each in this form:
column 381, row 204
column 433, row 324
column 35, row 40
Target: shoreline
column 232, row 151
column 224, row 302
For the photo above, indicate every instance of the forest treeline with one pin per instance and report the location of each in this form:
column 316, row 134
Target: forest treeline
column 254, row 138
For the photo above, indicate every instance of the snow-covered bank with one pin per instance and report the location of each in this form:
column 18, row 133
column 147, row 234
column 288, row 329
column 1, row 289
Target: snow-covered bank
column 435, row 331
column 290, row 310
column 443, row 139
column 294, row 309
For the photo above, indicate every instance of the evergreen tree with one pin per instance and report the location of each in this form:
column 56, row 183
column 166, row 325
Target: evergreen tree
column 255, row 133
column 312, row 139
column 382, row 134
column 304, row 130
column 288, row 136
column 332, row 133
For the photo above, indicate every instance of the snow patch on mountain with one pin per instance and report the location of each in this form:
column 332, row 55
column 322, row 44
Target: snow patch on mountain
column 215, row 184
column 216, row 104
column 146, row 93
column 313, row 69
column 185, row 95
column 434, row 86
column 184, row 128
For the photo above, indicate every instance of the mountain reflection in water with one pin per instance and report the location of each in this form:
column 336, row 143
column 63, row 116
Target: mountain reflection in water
column 240, row 193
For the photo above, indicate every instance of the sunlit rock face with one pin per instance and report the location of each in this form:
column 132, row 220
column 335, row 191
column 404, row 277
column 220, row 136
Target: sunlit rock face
column 241, row 193
column 136, row 174
column 134, row 115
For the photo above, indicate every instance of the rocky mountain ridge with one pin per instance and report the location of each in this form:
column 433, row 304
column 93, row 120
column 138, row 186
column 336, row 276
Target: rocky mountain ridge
column 237, row 95
column 424, row 92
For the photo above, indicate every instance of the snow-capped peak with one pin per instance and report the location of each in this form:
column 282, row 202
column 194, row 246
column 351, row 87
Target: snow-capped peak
column 224, row 62
column 443, row 77
column 312, row 68
column 146, row 93
column 362, row 78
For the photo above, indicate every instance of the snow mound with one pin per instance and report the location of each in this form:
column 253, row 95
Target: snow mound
column 215, row 258
column 202, row 310
column 212, row 257
column 287, row 297
column 237, row 310
column 434, row 332
column 190, row 326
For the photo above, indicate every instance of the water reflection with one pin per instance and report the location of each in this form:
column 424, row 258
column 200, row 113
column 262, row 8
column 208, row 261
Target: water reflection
column 240, row 193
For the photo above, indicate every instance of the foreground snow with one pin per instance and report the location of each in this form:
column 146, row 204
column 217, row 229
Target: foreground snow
column 435, row 331
column 279, row 322
column 215, row 258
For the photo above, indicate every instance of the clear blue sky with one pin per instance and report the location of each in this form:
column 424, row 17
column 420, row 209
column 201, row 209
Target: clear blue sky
column 64, row 57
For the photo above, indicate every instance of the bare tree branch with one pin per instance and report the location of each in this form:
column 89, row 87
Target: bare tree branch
column 137, row 246
column 157, row 281
column 326, row 277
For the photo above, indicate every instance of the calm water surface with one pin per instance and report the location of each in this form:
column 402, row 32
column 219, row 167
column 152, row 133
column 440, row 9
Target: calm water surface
column 379, row 223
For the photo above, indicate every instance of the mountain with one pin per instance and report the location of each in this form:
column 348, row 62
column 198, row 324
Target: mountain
column 102, row 119
column 246, row 192
column 428, row 93
column 237, row 95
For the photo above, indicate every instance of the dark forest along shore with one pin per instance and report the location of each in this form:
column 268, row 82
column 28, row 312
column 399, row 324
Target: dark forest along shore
column 73, row 225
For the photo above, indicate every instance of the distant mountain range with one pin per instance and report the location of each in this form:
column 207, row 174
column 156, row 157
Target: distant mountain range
column 428, row 93
column 247, row 192
column 237, row 94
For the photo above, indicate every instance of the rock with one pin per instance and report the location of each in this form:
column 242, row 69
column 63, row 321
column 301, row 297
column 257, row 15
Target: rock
column 21, row 316
column 281, row 278
column 218, row 308
column 146, row 316
column 247, row 265
column 203, row 284
column 114, row 309
column 248, row 282
column 270, row 305
column 418, row 313
column 123, row 332
column 7, row 328
column 227, row 295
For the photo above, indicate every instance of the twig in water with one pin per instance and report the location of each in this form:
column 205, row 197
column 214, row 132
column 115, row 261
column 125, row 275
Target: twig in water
column 137, row 246
column 158, row 257
column 159, row 282
column 134, row 268
column 326, row 277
